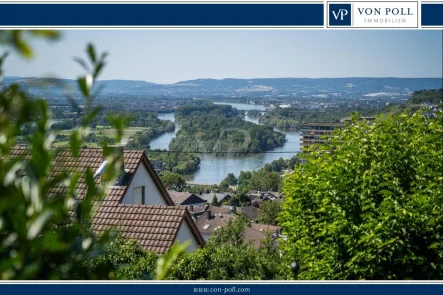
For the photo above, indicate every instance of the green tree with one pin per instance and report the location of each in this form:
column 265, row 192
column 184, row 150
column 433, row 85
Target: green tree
column 214, row 201
column 265, row 181
column 223, row 186
column 127, row 259
column 173, row 181
column 239, row 200
column 243, row 178
column 268, row 212
column 40, row 239
column 45, row 236
column 371, row 207
column 227, row 257
column 231, row 179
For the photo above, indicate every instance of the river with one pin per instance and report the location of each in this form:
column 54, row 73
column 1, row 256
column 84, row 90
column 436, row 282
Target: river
column 162, row 142
column 213, row 169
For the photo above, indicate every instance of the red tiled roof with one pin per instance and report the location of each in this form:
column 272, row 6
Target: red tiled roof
column 253, row 237
column 154, row 227
column 265, row 227
column 207, row 226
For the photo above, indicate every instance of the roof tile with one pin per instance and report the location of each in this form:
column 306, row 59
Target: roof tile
column 154, row 227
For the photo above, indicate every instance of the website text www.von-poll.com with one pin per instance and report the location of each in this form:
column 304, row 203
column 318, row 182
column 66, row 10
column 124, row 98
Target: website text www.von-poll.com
column 224, row 290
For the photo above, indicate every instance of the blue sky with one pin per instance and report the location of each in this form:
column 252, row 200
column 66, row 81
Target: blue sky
column 169, row 56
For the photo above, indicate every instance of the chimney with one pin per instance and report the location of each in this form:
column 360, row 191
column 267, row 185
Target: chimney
column 191, row 208
column 118, row 152
column 121, row 154
column 208, row 214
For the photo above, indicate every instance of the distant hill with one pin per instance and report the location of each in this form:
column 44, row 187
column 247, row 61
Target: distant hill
column 420, row 98
column 295, row 87
column 432, row 96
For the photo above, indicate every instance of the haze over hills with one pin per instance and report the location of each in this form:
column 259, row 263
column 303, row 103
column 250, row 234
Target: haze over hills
column 299, row 87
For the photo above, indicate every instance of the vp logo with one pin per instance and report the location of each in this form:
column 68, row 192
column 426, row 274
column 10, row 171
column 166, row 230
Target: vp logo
column 339, row 14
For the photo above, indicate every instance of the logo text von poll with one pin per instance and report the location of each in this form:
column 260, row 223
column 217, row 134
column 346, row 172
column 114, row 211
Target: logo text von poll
column 386, row 11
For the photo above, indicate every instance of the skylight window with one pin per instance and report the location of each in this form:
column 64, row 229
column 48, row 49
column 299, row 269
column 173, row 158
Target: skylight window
column 206, row 226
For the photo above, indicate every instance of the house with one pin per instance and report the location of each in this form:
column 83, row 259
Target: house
column 272, row 229
column 273, row 195
column 250, row 212
column 253, row 234
column 231, row 209
column 196, row 212
column 209, row 222
column 257, row 233
column 186, row 199
column 256, row 238
column 221, row 197
column 137, row 206
column 223, row 210
column 157, row 165
column 252, row 195
column 258, row 195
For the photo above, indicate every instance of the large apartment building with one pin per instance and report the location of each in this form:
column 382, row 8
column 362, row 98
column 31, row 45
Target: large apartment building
column 316, row 133
column 319, row 133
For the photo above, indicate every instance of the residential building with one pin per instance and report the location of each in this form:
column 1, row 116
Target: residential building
column 157, row 165
column 221, row 197
column 272, row 229
column 254, row 234
column 137, row 206
column 346, row 120
column 250, row 212
column 316, row 133
column 186, row 199
column 258, row 196
column 256, row 238
column 209, row 222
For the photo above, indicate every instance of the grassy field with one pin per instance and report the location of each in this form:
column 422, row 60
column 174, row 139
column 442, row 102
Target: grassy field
column 100, row 130
column 128, row 132
column 66, row 144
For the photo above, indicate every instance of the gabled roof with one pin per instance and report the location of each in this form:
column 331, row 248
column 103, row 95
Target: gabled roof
column 265, row 227
column 257, row 233
column 90, row 158
column 218, row 210
column 250, row 212
column 184, row 198
column 154, row 227
column 220, row 196
column 254, row 237
column 275, row 194
column 208, row 226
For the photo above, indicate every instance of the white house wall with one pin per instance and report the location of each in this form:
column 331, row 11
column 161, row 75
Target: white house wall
column 152, row 194
column 185, row 234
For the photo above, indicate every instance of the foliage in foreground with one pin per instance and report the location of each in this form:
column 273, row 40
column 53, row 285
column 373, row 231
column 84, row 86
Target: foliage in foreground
column 268, row 212
column 226, row 257
column 127, row 261
column 372, row 208
column 45, row 235
column 38, row 238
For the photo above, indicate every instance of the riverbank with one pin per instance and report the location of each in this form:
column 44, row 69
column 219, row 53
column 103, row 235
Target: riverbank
column 213, row 169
